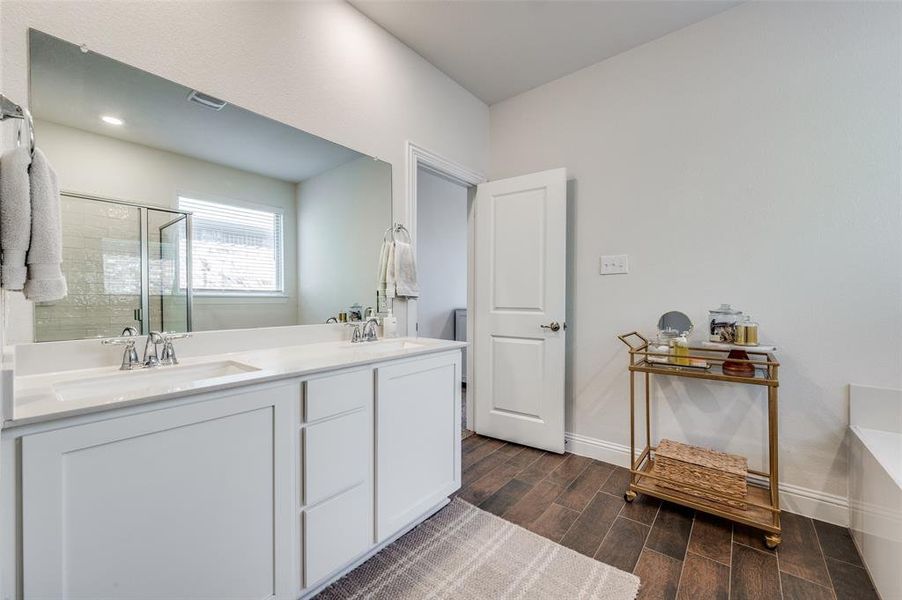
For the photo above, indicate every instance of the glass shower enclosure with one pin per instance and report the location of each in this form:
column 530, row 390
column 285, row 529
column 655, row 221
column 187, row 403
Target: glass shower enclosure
column 126, row 265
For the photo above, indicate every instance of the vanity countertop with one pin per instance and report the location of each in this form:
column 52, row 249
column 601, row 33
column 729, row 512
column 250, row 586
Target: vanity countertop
column 56, row 395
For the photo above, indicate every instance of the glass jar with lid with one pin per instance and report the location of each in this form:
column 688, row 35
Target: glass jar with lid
column 661, row 345
column 746, row 332
column 722, row 323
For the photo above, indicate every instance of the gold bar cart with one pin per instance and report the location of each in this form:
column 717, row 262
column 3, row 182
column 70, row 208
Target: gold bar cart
column 763, row 502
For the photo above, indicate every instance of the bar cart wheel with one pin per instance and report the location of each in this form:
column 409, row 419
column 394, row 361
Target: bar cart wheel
column 773, row 540
column 629, row 496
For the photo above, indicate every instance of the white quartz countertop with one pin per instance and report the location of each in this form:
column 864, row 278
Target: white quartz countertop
column 56, row 395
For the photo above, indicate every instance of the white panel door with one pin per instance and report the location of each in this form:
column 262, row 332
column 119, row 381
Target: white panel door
column 520, row 301
column 189, row 502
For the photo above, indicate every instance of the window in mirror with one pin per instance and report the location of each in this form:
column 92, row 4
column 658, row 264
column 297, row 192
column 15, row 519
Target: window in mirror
column 236, row 249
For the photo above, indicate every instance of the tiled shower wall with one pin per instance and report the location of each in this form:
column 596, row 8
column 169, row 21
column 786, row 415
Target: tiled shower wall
column 102, row 265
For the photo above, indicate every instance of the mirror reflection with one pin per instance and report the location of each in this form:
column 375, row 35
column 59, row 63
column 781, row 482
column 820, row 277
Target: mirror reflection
column 182, row 212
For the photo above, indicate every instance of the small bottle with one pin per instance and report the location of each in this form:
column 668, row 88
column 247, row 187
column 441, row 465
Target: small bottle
column 389, row 326
column 680, row 350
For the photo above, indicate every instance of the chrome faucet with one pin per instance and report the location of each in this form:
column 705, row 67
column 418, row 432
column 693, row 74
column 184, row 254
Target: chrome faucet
column 152, row 360
column 369, row 330
column 364, row 331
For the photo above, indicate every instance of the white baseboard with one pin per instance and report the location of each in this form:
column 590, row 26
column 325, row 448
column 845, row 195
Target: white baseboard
column 802, row 501
column 609, row 452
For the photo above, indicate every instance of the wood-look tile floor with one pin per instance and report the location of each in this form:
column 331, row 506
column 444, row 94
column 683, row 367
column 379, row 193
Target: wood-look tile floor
column 677, row 552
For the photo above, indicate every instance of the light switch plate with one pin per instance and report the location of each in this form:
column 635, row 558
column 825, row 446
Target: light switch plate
column 614, row 264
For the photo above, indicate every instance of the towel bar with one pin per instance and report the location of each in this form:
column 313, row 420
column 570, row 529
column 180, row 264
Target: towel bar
column 11, row 110
column 396, row 228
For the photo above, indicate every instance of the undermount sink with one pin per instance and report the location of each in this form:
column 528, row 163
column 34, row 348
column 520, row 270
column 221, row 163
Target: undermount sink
column 145, row 382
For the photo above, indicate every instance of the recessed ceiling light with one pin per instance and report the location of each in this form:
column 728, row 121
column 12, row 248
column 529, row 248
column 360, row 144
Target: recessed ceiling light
column 112, row 120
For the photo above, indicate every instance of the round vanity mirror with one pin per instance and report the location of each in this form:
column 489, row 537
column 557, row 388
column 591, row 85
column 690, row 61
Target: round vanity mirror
column 675, row 321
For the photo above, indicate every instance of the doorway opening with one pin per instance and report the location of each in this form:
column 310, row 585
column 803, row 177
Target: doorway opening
column 440, row 219
column 442, row 242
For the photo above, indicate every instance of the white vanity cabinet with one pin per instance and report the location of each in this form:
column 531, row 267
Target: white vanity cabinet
column 182, row 502
column 262, row 490
column 417, row 438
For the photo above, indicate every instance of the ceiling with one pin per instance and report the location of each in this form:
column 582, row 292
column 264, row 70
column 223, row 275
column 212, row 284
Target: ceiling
column 498, row 49
column 73, row 88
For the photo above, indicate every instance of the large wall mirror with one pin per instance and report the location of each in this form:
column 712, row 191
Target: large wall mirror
column 184, row 212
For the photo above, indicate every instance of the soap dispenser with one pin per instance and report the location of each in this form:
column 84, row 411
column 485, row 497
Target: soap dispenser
column 680, row 349
column 389, row 326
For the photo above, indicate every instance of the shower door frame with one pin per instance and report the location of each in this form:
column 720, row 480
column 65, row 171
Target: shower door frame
column 182, row 215
column 144, row 241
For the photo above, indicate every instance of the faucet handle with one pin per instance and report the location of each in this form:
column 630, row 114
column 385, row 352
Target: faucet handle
column 121, row 340
column 172, row 335
column 168, row 356
column 129, row 355
column 356, row 332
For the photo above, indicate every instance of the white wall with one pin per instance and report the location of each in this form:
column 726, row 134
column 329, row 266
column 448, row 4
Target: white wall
column 441, row 254
column 319, row 66
column 342, row 215
column 752, row 158
column 104, row 166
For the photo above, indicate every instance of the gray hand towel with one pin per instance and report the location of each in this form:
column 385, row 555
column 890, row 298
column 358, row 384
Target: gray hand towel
column 45, row 279
column 15, row 216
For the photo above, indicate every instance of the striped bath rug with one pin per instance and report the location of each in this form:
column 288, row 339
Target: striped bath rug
column 464, row 552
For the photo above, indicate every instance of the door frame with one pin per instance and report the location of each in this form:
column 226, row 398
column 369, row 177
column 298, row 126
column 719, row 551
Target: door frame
column 418, row 157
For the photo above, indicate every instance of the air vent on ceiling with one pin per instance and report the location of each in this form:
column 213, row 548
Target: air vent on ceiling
column 206, row 100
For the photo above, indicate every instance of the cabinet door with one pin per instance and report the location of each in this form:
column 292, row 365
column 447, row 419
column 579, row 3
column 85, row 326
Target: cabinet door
column 336, row 532
column 193, row 501
column 417, row 438
column 338, row 454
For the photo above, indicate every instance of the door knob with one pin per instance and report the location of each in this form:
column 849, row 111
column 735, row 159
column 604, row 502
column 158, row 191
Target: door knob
column 553, row 326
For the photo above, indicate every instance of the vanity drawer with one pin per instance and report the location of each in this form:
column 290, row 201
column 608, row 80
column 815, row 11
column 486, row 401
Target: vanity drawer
column 335, row 533
column 337, row 454
column 327, row 396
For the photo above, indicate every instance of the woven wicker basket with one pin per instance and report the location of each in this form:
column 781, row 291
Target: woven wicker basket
column 721, row 473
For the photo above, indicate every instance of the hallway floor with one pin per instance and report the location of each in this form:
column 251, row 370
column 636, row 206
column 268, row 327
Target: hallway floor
column 677, row 552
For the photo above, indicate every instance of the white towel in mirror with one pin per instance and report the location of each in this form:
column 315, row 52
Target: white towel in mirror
column 45, row 253
column 15, row 216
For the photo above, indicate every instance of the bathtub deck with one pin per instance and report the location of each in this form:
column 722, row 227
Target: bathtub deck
column 875, row 500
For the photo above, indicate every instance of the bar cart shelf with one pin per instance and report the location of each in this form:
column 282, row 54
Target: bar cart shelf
column 762, row 509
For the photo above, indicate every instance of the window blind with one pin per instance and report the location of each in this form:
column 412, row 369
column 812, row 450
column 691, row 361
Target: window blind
column 234, row 248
